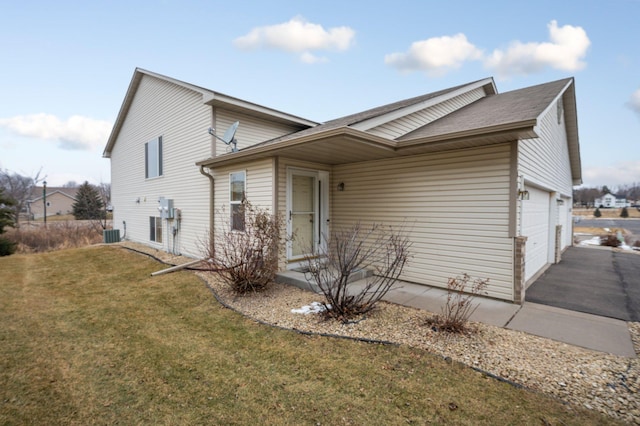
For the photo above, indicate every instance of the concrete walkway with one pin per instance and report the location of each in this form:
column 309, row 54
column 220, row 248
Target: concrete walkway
column 575, row 328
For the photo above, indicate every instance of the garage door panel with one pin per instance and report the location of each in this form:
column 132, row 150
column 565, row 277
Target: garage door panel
column 535, row 226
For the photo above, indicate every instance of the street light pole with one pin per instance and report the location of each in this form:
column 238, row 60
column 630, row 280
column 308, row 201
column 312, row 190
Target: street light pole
column 44, row 197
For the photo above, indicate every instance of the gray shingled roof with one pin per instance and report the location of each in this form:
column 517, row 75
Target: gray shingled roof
column 352, row 119
column 502, row 109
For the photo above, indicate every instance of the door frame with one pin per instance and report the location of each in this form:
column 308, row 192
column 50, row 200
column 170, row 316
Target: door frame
column 320, row 208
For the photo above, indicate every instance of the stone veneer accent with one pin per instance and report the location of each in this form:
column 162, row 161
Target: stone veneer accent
column 518, row 269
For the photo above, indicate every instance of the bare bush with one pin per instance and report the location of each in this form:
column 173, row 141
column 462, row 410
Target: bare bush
column 459, row 307
column 247, row 259
column 379, row 248
column 610, row 240
column 55, row 236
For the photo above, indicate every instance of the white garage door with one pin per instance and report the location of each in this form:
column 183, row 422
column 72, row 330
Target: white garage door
column 564, row 219
column 535, row 226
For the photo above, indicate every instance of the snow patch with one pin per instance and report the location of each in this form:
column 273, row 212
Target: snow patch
column 314, row 308
column 595, row 241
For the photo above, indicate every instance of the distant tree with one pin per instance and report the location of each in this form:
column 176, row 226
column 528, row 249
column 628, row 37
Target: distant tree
column 7, row 218
column 71, row 184
column 597, row 213
column 624, row 212
column 88, row 203
column 19, row 188
column 586, row 196
column 7, row 215
column 605, row 190
column 104, row 189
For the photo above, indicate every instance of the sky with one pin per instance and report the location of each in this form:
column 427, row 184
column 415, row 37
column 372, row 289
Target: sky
column 65, row 66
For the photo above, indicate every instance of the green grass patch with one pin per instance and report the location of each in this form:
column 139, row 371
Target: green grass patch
column 88, row 336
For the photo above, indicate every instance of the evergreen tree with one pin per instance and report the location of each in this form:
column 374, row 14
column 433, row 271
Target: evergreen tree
column 7, row 218
column 597, row 213
column 88, row 203
column 624, row 212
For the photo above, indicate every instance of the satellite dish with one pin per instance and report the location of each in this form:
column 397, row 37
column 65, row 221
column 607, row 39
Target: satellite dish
column 229, row 136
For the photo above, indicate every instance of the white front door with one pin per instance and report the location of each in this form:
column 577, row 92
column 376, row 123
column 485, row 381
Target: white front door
column 307, row 207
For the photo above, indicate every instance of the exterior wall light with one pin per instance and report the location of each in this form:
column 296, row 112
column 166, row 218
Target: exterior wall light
column 523, row 195
column 341, row 186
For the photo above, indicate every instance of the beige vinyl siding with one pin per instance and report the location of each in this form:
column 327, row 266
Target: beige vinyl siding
column 454, row 206
column 544, row 161
column 259, row 186
column 251, row 130
column 410, row 122
column 161, row 108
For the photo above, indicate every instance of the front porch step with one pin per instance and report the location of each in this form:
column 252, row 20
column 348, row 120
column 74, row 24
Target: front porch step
column 298, row 279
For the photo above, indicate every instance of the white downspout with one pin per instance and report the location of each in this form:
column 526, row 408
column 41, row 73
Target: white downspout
column 211, row 206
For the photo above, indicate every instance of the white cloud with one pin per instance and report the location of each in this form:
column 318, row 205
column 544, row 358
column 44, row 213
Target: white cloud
column 297, row 36
column 75, row 133
column 621, row 173
column 634, row 102
column 566, row 50
column 436, row 55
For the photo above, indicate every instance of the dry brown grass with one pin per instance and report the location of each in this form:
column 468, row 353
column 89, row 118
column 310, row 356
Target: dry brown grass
column 89, row 337
column 36, row 238
column 606, row 213
column 597, row 231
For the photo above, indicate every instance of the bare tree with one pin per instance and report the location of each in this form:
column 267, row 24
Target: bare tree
column 104, row 189
column 19, row 188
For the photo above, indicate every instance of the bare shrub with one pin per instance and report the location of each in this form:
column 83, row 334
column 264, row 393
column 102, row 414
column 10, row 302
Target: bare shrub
column 377, row 247
column 247, row 259
column 610, row 240
column 55, row 236
column 459, row 307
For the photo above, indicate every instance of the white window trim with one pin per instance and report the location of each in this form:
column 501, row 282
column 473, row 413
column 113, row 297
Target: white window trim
column 155, row 232
column 159, row 158
column 236, row 202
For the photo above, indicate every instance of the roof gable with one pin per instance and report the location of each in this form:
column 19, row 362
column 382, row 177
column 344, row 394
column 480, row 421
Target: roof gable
column 374, row 117
column 209, row 97
column 495, row 111
column 387, row 113
column 36, row 192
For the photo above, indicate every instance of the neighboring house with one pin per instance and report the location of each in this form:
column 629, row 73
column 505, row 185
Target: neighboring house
column 59, row 201
column 481, row 181
column 612, row 201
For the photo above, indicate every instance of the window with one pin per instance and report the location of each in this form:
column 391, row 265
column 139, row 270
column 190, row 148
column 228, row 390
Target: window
column 155, row 229
column 153, row 158
column 236, row 197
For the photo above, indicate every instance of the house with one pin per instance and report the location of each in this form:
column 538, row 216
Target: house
column 610, row 200
column 483, row 179
column 59, row 201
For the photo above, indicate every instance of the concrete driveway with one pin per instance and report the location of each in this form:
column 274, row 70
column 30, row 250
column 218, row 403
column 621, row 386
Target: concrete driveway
column 597, row 281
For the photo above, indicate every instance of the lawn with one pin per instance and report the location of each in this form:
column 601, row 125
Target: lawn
column 89, row 337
